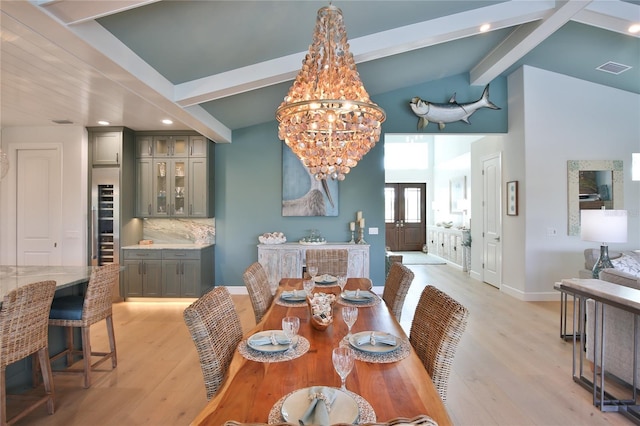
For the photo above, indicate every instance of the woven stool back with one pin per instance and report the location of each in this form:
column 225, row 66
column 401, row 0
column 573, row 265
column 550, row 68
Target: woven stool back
column 24, row 318
column 98, row 299
column 436, row 329
column 257, row 282
column 329, row 261
column 396, row 287
column 216, row 331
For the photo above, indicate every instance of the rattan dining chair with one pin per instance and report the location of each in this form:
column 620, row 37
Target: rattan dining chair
column 436, row 329
column 257, row 282
column 216, row 331
column 82, row 312
column 329, row 261
column 23, row 332
column 396, row 288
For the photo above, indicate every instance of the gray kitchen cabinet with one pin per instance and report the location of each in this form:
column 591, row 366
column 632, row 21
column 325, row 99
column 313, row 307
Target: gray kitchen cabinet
column 178, row 179
column 181, row 273
column 169, row 272
column 143, row 273
column 144, row 146
column 106, row 148
column 171, row 146
column 198, row 146
column 144, row 187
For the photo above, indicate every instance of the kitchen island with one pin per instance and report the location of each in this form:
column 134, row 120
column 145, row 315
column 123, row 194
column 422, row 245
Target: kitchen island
column 69, row 280
column 12, row 277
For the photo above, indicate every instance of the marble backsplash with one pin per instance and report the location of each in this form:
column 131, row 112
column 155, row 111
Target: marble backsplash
column 180, row 231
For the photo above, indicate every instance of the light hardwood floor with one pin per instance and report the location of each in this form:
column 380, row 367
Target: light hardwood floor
column 511, row 367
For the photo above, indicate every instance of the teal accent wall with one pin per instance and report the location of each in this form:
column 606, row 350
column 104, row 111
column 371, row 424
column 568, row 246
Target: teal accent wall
column 248, row 180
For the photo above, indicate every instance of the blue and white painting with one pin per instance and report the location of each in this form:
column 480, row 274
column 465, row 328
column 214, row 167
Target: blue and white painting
column 302, row 194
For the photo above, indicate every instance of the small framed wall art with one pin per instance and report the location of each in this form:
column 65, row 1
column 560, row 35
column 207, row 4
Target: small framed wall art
column 512, row 198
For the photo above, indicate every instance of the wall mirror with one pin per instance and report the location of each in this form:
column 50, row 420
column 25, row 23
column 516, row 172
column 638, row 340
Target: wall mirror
column 593, row 184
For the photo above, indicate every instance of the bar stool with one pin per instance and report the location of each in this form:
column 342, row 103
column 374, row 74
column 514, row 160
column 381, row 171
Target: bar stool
column 81, row 312
column 23, row 332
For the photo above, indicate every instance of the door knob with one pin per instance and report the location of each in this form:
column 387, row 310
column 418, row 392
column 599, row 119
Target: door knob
column 497, row 239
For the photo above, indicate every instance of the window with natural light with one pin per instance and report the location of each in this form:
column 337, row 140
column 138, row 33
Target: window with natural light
column 406, row 156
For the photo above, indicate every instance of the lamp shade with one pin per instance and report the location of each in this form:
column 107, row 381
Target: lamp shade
column 604, row 226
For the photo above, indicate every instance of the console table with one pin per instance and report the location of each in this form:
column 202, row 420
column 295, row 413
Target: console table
column 604, row 294
column 287, row 260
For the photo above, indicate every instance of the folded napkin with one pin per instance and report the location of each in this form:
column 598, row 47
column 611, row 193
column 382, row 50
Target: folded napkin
column 373, row 338
column 272, row 339
column 293, row 294
column 321, row 398
column 359, row 294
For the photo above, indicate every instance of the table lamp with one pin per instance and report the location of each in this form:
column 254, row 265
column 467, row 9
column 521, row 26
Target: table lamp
column 604, row 226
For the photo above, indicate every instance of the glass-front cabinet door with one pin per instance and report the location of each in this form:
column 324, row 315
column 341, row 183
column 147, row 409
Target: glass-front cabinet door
column 171, row 187
column 179, row 205
column 171, row 146
column 161, row 181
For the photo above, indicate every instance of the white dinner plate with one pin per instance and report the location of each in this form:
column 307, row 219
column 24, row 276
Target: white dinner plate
column 343, row 410
column 269, row 347
column 293, row 298
column 352, row 298
column 368, row 347
column 325, row 279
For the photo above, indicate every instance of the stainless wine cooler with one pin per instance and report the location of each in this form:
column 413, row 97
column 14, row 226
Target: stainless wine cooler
column 105, row 199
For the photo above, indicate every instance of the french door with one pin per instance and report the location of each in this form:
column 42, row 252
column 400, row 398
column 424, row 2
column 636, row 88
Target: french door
column 404, row 216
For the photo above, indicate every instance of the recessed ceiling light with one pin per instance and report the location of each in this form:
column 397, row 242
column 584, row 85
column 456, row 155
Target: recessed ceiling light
column 167, row 121
column 635, row 28
column 485, row 27
column 62, row 121
column 103, row 123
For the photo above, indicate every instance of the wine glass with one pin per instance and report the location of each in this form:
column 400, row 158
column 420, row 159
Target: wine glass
column 343, row 360
column 349, row 315
column 290, row 327
column 313, row 271
column 342, row 282
column 308, row 286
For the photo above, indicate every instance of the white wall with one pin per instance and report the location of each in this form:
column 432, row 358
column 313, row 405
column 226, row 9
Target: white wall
column 552, row 119
column 73, row 140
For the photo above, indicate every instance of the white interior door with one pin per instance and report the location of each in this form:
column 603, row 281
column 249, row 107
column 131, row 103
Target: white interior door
column 38, row 207
column 492, row 224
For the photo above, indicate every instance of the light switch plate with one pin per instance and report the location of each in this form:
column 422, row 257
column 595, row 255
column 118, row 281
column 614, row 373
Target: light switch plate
column 373, row 231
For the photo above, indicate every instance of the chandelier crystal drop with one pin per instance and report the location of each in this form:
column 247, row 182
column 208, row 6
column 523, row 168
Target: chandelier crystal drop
column 327, row 118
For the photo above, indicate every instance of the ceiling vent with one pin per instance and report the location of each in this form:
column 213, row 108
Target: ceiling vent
column 62, row 121
column 613, row 68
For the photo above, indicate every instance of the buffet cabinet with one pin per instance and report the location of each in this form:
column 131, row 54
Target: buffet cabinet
column 287, row 260
column 174, row 176
column 446, row 243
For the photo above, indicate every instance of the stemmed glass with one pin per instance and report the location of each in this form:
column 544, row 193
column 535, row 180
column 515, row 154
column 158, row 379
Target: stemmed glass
column 290, row 327
column 342, row 282
column 349, row 315
column 343, row 360
column 308, row 286
column 313, row 271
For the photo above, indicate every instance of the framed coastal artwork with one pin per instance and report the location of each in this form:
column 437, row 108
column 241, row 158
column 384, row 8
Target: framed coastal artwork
column 302, row 194
column 457, row 194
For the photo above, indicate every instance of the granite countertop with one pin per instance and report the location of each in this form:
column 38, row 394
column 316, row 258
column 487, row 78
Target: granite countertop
column 173, row 246
column 12, row 277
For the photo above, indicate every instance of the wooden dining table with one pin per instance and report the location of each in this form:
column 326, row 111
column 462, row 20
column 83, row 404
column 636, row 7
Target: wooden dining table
column 396, row 389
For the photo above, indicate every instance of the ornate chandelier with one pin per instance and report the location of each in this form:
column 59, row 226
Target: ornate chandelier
column 327, row 118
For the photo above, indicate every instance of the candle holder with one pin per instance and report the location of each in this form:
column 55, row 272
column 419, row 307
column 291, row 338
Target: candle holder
column 361, row 236
column 353, row 241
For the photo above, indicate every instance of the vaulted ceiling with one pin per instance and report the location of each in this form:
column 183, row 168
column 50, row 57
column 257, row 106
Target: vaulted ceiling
column 216, row 66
